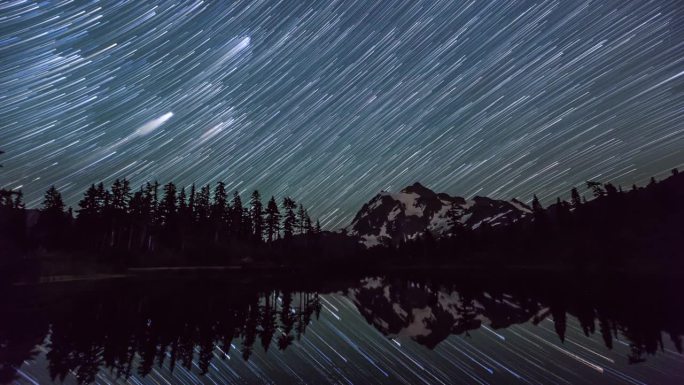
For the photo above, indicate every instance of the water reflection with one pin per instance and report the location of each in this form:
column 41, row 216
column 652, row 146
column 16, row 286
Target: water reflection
column 372, row 329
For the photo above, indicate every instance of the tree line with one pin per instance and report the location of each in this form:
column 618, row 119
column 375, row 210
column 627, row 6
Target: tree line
column 159, row 219
column 612, row 228
column 131, row 333
column 167, row 225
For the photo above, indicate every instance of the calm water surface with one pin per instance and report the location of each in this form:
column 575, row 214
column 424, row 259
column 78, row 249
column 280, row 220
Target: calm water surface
column 448, row 329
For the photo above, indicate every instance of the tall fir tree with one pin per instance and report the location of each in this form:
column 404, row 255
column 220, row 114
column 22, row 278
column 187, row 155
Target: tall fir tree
column 182, row 203
column 168, row 206
column 256, row 210
column 52, row 202
column 120, row 198
column 247, row 229
column 89, row 205
column 536, row 206
column 191, row 203
column 203, row 204
column 596, row 188
column 272, row 220
column 103, row 198
column 307, row 225
column 19, row 200
column 53, row 220
column 219, row 207
column 611, row 190
column 121, row 194
column 219, row 210
column 290, row 218
column 237, row 221
column 301, row 220
column 540, row 217
column 575, row 198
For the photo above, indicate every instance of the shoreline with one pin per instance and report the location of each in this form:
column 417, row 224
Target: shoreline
column 247, row 271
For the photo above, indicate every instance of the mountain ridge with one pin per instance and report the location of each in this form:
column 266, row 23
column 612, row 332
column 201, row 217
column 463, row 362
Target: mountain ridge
column 390, row 218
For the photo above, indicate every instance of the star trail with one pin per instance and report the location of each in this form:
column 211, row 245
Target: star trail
column 332, row 101
column 341, row 348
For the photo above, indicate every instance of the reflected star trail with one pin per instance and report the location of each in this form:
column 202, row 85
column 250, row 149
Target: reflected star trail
column 340, row 347
column 332, row 101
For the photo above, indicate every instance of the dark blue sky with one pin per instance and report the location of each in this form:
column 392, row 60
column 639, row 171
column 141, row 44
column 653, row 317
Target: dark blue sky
column 332, row 101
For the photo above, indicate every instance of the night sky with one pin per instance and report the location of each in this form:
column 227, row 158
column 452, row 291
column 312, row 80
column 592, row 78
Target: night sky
column 333, row 101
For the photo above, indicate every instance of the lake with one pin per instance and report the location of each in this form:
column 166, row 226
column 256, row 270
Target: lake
column 403, row 328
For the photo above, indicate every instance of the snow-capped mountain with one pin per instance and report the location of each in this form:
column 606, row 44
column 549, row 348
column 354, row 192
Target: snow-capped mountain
column 391, row 217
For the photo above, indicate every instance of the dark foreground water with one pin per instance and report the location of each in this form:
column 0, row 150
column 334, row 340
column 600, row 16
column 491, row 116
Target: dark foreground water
column 409, row 329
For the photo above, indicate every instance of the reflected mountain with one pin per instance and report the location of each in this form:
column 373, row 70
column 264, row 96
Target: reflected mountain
column 132, row 327
column 428, row 312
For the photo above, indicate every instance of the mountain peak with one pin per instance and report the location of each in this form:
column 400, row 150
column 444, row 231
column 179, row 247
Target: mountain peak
column 418, row 189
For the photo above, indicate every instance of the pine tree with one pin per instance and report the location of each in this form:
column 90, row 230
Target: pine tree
column 237, row 221
column 219, row 210
column 103, row 198
column 182, row 204
column 19, row 200
column 307, row 225
column 290, row 218
column 257, row 216
column 52, row 202
column 89, row 216
column 15, row 220
column 138, row 207
column 247, row 229
column 154, row 203
column 168, row 216
column 272, row 220
column 53, row 220
column 562, row 212
column 202, row 204
column 575, row 198
column 191, row 203
column 148, row 215
column 596, row 188
column 89, row 205
column 121, row 194
column 151, row 203
column 185, row 225
column 120, row 198
column 611, row 191
column 107, row 215
column 168, row 208
column 301, row 219
column 536, row 206
column 540, row 218
column 6, row 198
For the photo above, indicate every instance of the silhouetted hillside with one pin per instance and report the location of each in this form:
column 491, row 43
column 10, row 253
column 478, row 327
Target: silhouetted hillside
column 115, row 228
column 642, row 225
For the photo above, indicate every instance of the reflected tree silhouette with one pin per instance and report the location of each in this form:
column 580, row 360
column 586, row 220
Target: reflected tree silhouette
column 131, row 328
